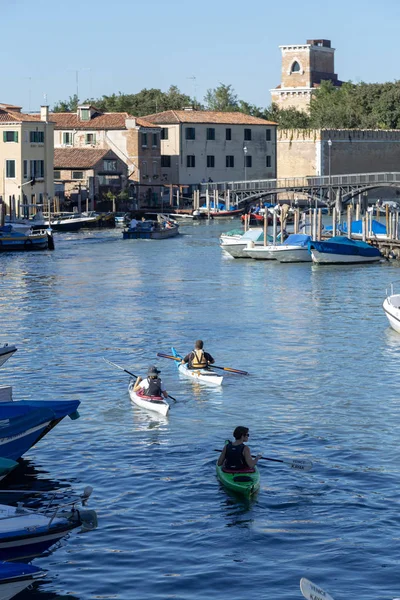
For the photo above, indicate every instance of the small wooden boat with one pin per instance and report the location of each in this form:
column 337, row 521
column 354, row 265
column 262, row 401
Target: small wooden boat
column 12, row 238
column 206, row 376
column 391, row 306
column 157, row 404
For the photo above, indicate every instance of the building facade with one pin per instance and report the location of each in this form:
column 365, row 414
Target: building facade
column 303, row 68
column 134, row 140
column 26, row 156
column 82, row 175
column 197, row 146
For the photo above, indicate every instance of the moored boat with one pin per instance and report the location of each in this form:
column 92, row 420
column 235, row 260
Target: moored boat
column 342, row 250
column 235, row 246
column 157, row 404
column 6, row 352
column 25, row 533
column 16, row 577
column 12, row 238
column 293, row 249
column 245, row 482
column 206, row 376
column 391, row 306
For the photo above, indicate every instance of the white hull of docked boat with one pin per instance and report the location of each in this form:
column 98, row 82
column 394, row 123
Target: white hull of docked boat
column 391, row 306
column 325, row 258
column 291, row 254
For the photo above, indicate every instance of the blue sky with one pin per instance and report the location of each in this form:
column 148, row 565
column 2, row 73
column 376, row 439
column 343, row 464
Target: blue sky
column 125, row 45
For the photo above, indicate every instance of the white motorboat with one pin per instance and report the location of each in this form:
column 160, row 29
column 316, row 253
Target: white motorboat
column 207, row 376
column 157, row 404
column 261, row 252
column 391, row 306
column 236, row 244
column 294, row 249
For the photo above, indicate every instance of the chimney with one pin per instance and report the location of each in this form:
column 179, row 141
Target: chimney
column 44, row 113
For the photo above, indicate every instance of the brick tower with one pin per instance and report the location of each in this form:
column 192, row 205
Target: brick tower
column 303, row 69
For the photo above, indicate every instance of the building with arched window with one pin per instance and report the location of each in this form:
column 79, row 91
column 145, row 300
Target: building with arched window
column 303, row 69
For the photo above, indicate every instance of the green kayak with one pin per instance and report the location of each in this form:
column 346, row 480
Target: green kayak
column 241, row 483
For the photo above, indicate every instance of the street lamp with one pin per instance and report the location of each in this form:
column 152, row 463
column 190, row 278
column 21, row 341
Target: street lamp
column 245, row 162
column 329, row 167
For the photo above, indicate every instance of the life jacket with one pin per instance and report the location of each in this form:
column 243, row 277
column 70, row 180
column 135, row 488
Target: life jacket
column 197, row 360
column 234, row 459
column 154, row 387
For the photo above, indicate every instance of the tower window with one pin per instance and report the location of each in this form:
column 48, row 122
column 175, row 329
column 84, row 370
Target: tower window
column 295, row 67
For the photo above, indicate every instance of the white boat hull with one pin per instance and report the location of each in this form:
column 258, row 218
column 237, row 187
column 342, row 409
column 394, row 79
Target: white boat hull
column 159, row 406
column 237, row 249
column 391, row 306
column 12, row 588
column 206, row 376
column 325, row 258
column 260, row 252
column 291, row 254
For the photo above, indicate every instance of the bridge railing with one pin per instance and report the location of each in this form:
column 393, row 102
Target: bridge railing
column 301, row 182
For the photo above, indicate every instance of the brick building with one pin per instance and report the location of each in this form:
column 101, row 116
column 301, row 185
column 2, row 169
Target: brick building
column 303, row 68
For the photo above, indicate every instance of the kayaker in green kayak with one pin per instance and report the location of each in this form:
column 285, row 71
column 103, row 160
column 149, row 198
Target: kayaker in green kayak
column 236, row 456
column 198, row 359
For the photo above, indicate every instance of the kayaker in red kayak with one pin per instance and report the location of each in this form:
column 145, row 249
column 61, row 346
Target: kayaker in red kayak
column 198, row 359
column 236, row 456
column 152, row 385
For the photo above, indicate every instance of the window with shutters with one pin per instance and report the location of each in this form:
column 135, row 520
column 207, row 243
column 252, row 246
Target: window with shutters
column 10, row 136
column 247, row 135
column 77, row 174
column 144, row 140
column 190, row 133
column 228, row 134
column 10, row 168
column 67, row 138
column 57, row 174
column 268, row 135
column 210, row 162
column 230, row 162
column 90, row 138
column 190, row 161
column 36, row 137
column 155, row 140
column 268, row 161
column 164, row 133
column 37, row 169
column 210, row 133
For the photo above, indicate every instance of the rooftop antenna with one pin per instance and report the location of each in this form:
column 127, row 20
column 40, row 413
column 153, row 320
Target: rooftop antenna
column 45, row 98
column 77, row 71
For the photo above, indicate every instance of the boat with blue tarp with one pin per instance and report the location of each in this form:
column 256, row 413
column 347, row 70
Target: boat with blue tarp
column 374, row 229
column 342, row 250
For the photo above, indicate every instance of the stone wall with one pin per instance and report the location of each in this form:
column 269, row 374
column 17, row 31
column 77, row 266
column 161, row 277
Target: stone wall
column 306, row 152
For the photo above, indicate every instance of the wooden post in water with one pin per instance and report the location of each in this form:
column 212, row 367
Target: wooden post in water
column 208, row 202
column 314, row 225
column 309, row 232
column 349, row 221
column 387, row 219
column 333, row 221
column 265, row 227
column 358, row 209
column 296, row 220
column 364, row 227
column 274, row 227
column 228, row 199
column 319, row 227
column 1, row 213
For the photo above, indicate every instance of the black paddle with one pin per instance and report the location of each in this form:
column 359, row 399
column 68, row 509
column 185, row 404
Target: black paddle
column 132, row 374
column 294, row 463
column 237, row 371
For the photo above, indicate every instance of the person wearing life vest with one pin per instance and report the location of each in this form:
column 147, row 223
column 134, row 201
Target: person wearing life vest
column 152, row 385
column 198, row 359
column 236, row 456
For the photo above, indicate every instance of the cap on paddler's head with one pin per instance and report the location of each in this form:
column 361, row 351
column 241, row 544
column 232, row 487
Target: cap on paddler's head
column 152, row 371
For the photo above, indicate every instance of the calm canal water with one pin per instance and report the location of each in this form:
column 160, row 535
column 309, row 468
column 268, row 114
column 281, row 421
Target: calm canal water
column 324, row 385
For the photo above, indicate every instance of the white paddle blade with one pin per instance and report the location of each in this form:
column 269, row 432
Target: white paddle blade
column 312, row 591
column 300, row 464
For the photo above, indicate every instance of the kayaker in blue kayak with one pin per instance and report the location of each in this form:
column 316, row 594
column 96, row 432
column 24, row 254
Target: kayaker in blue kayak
column 152, row 385
column 236, row 456
column 198, row 359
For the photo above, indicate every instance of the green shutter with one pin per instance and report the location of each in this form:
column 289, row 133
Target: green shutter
column 94, row 138
column 15, row 136
column 4, row 136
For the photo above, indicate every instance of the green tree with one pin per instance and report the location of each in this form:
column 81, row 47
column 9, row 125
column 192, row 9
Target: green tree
column 221, row 99
column 67, row 106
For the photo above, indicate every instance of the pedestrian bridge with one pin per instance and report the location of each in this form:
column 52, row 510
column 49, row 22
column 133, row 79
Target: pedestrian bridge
column 332, row 189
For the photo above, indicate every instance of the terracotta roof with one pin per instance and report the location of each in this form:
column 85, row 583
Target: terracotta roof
column 79, row 158
column 99, row 120
column 8, row 116
column 169, row 117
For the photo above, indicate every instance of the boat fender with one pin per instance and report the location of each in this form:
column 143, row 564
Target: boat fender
column 250, row 244
column 74, row 415
column 88, row 519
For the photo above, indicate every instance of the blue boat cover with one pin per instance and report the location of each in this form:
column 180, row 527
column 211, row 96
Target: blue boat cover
column 356, row 227
column 342, row 245
column 12, row 570
column 297, row 239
